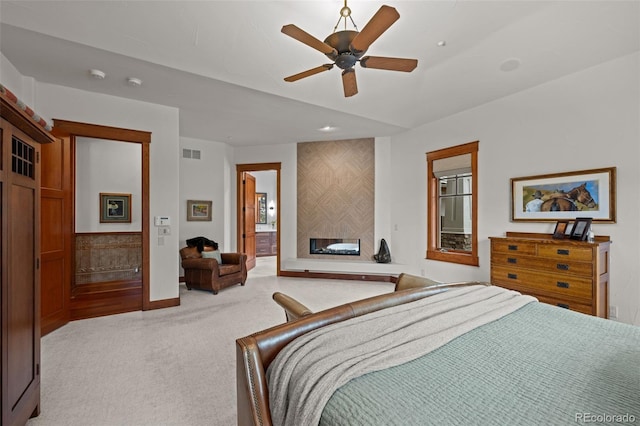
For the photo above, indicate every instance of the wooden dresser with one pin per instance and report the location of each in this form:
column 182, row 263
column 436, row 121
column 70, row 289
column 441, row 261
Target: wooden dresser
column 566, row 273
column 266, row 243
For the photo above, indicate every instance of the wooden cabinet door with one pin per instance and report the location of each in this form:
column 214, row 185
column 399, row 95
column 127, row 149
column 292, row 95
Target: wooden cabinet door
column 56, row 230
column 20, row 191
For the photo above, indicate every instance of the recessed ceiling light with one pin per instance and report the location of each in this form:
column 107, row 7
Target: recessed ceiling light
column 97, row 74
column 135, row 82
column 327, row 128
column 442, row 43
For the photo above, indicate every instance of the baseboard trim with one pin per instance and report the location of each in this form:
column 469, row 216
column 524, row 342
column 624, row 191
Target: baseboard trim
column 336, row 276
column 164, row 303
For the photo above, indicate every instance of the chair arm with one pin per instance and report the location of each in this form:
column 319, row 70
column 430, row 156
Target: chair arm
column 200, row 263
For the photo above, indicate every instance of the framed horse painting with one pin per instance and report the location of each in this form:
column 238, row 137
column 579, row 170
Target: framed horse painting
column 565, row 196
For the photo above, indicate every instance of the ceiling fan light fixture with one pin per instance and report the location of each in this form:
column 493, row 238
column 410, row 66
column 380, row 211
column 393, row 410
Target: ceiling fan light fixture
column 346, row 47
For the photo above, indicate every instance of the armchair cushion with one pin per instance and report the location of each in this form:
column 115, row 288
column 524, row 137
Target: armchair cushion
column 213, row 254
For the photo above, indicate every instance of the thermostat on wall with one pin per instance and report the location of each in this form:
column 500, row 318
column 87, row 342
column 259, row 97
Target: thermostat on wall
column 162, row 221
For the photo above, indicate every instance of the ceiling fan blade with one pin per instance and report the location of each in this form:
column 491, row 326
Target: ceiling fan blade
column 306, row 38
column 381, row 21
column 349, row 82
column 308, row 73
column 391, row 64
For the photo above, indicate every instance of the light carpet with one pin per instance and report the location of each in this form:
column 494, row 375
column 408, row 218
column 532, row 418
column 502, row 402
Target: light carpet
column 173, row 366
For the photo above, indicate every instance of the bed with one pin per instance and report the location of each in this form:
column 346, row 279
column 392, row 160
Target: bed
column 466, row 354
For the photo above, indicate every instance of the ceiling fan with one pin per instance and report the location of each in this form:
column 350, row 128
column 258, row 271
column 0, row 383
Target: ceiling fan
column 346, row 47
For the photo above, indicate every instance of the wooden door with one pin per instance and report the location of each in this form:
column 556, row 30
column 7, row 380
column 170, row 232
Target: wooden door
column 249, row 225
column 56, row 232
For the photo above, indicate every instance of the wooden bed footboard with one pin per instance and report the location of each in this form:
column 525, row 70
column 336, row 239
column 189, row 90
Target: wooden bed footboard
column 254, row 353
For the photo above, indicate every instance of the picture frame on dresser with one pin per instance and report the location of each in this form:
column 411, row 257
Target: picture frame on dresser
column 580, row 228
column 561, row 229
column 565, row 196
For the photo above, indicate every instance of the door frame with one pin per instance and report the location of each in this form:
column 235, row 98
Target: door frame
column 256, row 167
column 74, row 129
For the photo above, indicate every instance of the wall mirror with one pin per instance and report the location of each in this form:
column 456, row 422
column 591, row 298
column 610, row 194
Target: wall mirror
column 261, row 207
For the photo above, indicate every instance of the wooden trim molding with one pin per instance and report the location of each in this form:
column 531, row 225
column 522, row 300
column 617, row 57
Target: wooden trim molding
column 102, row 132
column 254, row 167
column 164, row 303
column 75, row 129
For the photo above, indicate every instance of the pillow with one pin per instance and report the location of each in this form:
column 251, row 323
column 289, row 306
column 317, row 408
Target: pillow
column 215, row 254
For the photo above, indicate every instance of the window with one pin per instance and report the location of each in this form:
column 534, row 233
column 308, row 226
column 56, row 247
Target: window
column 452, row 211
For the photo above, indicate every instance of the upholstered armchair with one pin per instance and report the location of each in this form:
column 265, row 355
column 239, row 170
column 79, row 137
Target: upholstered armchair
column 209, row 274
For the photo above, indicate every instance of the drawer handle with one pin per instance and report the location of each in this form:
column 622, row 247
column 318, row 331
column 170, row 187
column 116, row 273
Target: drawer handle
column 563, row 251
column 563, row 305
column 513, row 247
column 512, row 260
column 562, row 284
column 512, row 276
column 563, row 266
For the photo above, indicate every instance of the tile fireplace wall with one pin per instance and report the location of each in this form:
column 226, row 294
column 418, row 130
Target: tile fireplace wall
column 336, row 188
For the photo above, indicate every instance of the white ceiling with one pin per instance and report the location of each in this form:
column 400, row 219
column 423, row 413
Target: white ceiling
column 222, row 63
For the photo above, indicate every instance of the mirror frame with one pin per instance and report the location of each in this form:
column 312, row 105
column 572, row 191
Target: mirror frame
column 434, row 252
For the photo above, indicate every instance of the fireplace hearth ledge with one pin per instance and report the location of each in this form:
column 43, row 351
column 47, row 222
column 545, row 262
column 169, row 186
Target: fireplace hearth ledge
column 346, row 267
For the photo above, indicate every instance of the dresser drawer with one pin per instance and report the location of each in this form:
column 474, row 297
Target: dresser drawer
column 544, row 265
column 263, row 250
column 519, row 247
column 578, row 307
column 565, row 252
column 555, row 285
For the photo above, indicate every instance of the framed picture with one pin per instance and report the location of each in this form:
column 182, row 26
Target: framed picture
column 565, row 196
column 580, row 228
column 198, row 210
column 115, row 208
column 261, row 207
column 561, row 229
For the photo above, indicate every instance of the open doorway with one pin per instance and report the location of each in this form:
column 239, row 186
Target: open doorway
column 258, row 210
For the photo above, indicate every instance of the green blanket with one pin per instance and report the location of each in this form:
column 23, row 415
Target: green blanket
column 539, row 365
column 307, row 372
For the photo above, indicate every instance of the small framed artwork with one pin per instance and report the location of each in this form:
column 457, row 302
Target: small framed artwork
column 561, row 229
column 115, row 208
column 198, row 210
column 580, row 228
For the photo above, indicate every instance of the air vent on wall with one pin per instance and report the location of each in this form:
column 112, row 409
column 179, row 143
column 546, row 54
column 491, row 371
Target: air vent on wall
column 191, row 153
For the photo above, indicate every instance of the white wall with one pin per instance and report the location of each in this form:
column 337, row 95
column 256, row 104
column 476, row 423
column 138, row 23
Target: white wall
column 77, row 105
column 205, row 179
column 583, row 121
column 111, row 167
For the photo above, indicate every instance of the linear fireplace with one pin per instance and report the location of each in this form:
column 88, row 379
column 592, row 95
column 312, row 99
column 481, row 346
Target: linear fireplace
column 339, row 246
